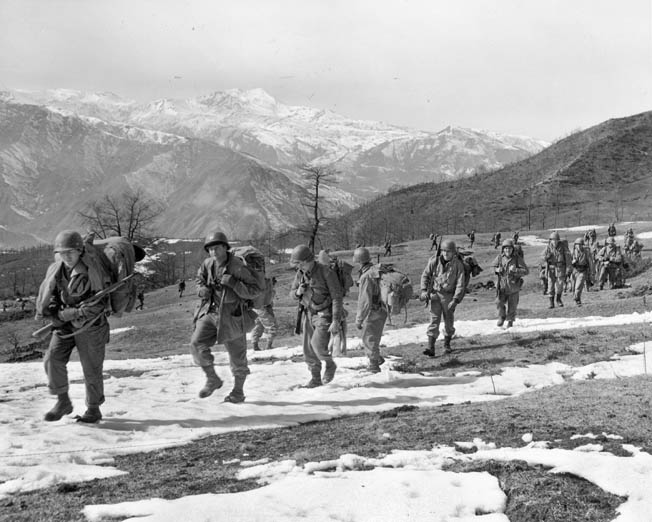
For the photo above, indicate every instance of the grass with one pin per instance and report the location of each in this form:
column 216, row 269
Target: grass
column 619, row 406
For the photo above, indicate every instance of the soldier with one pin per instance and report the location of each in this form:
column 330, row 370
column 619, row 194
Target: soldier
column 181, row 287
column 611, row 231
column 141, row 300
column 471, row 236
column 320, row 293
column 433, row 238
column 557, row 259
column 611, row 260
column 388, row 248
column 224, row 283
column 582, row 262
column 64, row 298
column 510, row 269
column 497, row 237
column 266, row 319
column 515, row 237
column 442, row 285
column 371, row 314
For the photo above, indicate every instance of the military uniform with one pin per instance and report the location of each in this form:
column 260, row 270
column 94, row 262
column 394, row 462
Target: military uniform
column 370, row 315
column 557, row 259
column 510, row 269
column 582, row 262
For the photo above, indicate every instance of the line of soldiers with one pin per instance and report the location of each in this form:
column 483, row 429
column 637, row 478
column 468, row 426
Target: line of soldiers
column 224, row 315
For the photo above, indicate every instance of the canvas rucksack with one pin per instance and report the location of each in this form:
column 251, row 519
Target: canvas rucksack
column 344, row 273
column 471, row 269
column 395, row 290
column 254, row 261
column 115, row 257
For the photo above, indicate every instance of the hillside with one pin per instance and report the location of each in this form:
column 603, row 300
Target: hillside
column 601, row 174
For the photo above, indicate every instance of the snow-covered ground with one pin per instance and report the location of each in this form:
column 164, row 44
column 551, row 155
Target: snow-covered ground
column 153, row 403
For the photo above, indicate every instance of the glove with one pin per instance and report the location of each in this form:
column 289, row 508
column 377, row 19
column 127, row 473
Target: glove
column 358, row 326
column 424, row 296
column 452, row 305
column 68, row 314
column 334, row 327
column 228, row 280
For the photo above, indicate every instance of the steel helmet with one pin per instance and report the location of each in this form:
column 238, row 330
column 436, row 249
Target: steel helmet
column 579, row 241
column 301, row 253
column 215, row 239
column 508, row 243
column 361, row 255
column 555, row 235
column 449, row 245
column 68, row 240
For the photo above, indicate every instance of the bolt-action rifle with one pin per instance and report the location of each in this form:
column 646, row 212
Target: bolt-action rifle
column 41, row 333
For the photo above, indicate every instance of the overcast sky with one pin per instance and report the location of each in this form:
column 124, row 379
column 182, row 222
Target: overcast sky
column 537, row 68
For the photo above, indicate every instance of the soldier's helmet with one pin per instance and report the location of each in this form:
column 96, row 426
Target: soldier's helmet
column 579, row 241
column 68, row 240
column 449, row 246
column 508, row 243
column 555, row 235
column 611, row 240
column 216, row 238
column 301, row 253
column 361, row 255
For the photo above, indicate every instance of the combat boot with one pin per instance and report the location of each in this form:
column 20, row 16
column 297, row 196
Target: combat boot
column 510, row 324
column 501, row 321
column 559, row 303
column 430, row 352
column 447, row 345
column 374, row 364
column 91, row 415
column 237, row 393
column 61, row 408
column 552, row 301
column 315, row 379
column 213, row 382
column 329, row 372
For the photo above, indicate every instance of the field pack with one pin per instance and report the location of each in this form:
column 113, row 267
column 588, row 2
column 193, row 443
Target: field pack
column 344, row 273
column 254, row 261
column 115, row 257
column 395, row 289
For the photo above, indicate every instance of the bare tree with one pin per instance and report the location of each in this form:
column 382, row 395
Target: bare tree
column 130, row 215
column 318, row 176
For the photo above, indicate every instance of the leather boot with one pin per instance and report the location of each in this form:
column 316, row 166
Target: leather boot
column 61, row 408
column 213, row 382
column 315, row 379
column 329, row 372
column 447, row 345
column 91, row 415
column 430, row 352
column 552, row 301
column 237, row 393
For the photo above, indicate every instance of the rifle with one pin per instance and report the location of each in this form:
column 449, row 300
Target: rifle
column 41, row 333
column 298, row 325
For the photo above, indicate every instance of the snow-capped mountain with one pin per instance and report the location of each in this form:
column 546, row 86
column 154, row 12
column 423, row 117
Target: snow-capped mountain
column 372, row 156
column 52, row 163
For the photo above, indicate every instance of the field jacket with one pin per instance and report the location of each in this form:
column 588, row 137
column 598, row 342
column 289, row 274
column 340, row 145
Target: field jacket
column 510, row 270
column 444, row 277
column 323, row 292
column 368, row 293
column 235, row 317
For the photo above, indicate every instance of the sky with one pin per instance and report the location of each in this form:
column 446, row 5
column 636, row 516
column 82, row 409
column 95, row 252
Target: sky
column 153, row 403
column 540, row 69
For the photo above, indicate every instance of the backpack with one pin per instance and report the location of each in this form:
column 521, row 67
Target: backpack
column 471, row 269
column 115, row 257
column 254, row 261
column 344, row 273
column 395, row 290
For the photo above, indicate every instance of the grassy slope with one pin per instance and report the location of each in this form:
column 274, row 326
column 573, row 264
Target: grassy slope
column 620, row 406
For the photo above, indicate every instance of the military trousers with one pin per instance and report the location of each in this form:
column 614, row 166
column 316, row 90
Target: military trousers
column 315, row 341
column 204, row 338
column 266, row 321
column 506, row 304
column 91, row 345
column 581, row 277
column 372, row 332
column 439, row 304
column 556, row 280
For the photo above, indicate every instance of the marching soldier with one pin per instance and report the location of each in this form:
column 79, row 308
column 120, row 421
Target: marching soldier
column 582, row 262
column 557, row 259
column 510, row 269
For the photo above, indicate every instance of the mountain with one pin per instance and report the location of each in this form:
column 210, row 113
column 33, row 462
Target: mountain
column 53, row 163
column 598, row 175
column 371, row 156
